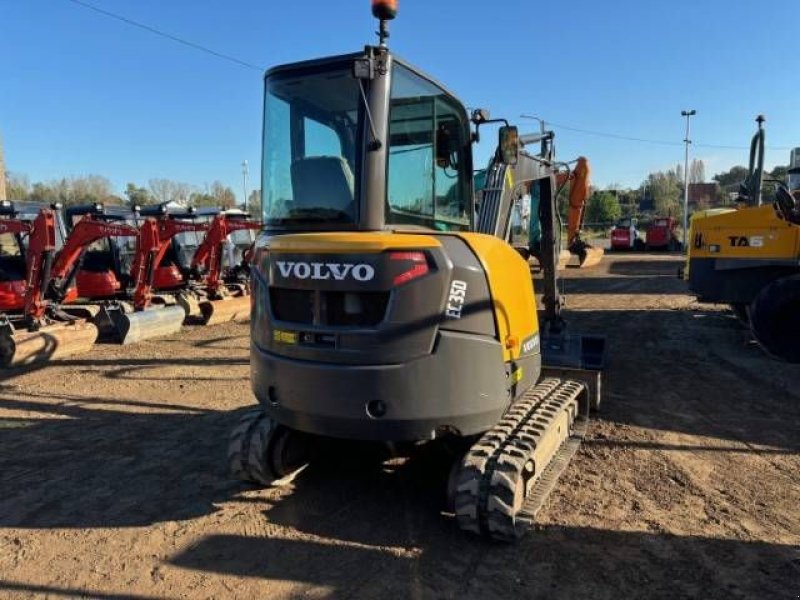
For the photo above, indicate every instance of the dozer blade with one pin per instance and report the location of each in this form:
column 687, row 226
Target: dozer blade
column 576, row 357
column 232, row 308
column 132, row 327
column 574, row 351
column 21, row 348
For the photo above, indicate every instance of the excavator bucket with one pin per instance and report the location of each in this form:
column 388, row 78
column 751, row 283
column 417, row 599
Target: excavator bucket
column 231, row 308
column 190, row 304
column 590, row 257
column 130, row 327
column 21, row 348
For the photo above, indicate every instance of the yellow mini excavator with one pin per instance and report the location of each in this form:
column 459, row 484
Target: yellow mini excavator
column 750, row 258
column 384, row 309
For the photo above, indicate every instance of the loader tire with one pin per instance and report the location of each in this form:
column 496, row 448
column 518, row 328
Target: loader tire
column 775, row 318
column 248, row 447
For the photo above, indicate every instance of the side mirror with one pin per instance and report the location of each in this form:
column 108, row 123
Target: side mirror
column 446, row 147
column 509, row 145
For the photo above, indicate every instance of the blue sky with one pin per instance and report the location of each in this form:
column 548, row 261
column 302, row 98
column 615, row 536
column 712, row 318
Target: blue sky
column 81, row 93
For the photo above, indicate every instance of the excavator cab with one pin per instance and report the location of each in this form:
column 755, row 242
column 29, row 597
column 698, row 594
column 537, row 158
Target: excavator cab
column 172, row 273
column 332, row 149
column 14, row 243
column 106, row 262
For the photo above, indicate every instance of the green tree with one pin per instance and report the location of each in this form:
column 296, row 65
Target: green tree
column 729, row 180
column 254, row 204
column 41, row 192
column 137, row 196
column 203, row 199
column 602, row 208
column 697, row 171
column 665, row 189
column 18, row 186
column 223, row 195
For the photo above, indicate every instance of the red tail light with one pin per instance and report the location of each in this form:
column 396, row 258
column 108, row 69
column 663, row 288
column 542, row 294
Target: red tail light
column 417, row 266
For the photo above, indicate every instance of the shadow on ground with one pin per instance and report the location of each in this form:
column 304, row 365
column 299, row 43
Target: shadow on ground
column 367, row 534
column 85, row 464
column 694, row 372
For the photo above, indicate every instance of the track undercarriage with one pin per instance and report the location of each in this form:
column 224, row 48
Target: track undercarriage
column 495, row 489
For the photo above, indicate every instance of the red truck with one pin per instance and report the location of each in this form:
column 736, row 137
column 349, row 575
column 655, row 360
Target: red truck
column 625, row 235
column 660, row 234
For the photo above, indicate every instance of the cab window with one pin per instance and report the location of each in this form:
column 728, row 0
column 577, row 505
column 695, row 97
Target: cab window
column 428, row 171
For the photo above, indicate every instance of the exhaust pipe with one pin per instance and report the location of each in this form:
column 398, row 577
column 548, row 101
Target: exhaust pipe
column 22, row 348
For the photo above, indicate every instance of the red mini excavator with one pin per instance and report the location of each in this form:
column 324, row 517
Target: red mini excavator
column 16, row 223
column 226, row 300
column 12, row 264
column 44, row 331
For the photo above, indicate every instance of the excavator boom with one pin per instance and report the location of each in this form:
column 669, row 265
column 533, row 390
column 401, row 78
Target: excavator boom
column 579, row 192
column 223, row 304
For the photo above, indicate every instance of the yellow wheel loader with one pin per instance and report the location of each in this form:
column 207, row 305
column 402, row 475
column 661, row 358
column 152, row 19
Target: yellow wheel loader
column 384, row 309
column 750, row 258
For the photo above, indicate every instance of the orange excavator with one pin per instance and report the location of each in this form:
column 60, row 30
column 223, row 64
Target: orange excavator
column 44, row 331
column 223, row 299
column 579, row 192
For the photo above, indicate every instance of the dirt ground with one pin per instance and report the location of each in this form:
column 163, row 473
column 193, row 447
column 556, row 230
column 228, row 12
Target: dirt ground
column 114, row 484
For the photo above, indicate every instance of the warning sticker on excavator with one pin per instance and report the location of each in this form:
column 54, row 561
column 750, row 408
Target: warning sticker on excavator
column 284, row 337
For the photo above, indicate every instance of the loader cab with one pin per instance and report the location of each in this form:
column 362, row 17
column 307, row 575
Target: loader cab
column 363, row 142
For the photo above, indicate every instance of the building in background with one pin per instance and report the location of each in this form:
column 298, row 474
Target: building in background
column 703, row 195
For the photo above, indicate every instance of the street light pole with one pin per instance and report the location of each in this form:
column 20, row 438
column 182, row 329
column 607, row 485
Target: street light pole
column 687, row 141
column 245, row 172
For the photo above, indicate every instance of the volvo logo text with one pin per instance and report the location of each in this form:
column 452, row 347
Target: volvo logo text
column 323, row 271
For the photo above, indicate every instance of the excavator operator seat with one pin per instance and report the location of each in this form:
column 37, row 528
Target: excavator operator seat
column 323, row 182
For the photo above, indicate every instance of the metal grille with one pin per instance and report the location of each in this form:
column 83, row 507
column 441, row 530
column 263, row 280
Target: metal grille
column 333, row 309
